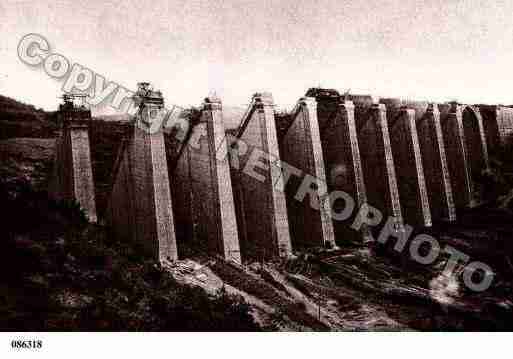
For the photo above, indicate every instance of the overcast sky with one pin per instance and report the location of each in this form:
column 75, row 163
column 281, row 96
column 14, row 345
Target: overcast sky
column 438, row 50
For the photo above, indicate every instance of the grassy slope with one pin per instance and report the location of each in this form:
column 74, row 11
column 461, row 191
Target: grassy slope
column 60, row 273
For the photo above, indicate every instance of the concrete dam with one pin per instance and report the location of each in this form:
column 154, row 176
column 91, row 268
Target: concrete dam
column 281, row 181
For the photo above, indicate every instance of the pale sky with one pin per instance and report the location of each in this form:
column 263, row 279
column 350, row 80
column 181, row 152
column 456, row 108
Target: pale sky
column 435, row 50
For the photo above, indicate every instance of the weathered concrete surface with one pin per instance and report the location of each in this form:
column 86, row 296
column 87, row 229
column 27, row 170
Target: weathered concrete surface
column 475, row 140
column 467, row 151
column 140, row 205
column 260, row 200
column 434, row 160
column 202, row 188
column 341, row 158
column 82, row 170
column 429, row 162
column 73, row 174
column 492, row 118
column 378, row 160
column 300, row 147
column 408, row 163
column 452, row 127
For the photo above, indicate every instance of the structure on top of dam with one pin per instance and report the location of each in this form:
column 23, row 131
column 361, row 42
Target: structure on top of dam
column 283, row 181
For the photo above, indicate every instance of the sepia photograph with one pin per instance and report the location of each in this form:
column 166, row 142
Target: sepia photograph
column 205, row 166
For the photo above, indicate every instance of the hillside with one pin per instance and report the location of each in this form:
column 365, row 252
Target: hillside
column 21, row 120
column 58, row 273
column 28, row 160
column 26, row 143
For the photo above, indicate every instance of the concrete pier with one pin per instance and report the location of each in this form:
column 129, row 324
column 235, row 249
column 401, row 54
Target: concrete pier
column 467, row 151
column 202, row 187
column 434, row 159
column 378, row 161
column 300, row 148
column 140, row 205
column 341, row 152
column 260, row 199
column 408, row 164
column 73, row 175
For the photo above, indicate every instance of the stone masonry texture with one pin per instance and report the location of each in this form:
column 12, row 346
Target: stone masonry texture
column 467, row 151
column 73, row 175
column 408, row 163
column 261, row 206
column 434, row 160
column 341, row 157
column 140, row 206
column 452, row 129
column 173, row 198
column 202, row 188
column 300, row 147
column 377, row 160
